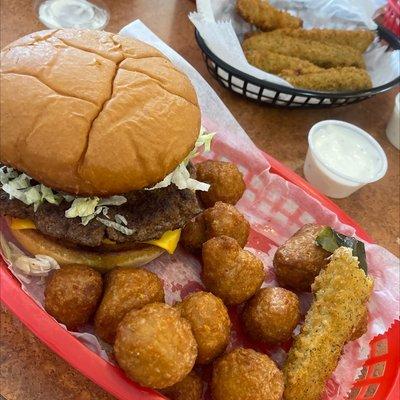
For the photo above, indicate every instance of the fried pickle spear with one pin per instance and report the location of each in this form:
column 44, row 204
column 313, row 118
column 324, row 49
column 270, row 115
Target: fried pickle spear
column 265, row 17
column 323, row 55
column 275, row 63
column 330, row 80
column 341, row 292
column 359, row 39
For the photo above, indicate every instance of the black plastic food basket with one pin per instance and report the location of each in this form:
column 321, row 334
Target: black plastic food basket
column 268, row 93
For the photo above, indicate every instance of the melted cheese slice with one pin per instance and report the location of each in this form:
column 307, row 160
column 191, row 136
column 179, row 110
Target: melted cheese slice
column 168, row 241
column 18, row 224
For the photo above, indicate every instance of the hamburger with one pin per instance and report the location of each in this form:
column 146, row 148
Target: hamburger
column 97, row 131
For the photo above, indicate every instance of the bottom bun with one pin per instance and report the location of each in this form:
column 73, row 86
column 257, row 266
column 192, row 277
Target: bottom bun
column 36, row 243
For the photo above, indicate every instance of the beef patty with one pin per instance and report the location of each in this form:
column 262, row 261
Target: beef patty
column 149, row 213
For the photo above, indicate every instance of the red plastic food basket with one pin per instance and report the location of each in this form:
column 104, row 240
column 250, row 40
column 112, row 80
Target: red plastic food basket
column 378, row 381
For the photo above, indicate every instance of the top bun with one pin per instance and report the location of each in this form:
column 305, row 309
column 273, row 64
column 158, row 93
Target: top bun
column 93, row 113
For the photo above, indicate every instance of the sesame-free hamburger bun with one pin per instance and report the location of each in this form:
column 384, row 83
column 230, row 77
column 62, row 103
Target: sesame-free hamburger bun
column 88, row 112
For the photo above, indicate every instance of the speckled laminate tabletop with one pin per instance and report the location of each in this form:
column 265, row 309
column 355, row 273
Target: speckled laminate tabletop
column 28, row 369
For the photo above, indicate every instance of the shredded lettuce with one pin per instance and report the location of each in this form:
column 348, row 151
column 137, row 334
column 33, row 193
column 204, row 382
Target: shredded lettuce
column 49, row 196
column 85, row 220
column 120, row 219
column 205, row 138
column 33, row 196
column 20, row 182
column 68, row 198
column 181, row 176
column 82, row 207
column 19, row 188
column 88, row 207
column 117, row 226
column 6, row 174
column 13, row 192
column 18, row 185
column 112, row 201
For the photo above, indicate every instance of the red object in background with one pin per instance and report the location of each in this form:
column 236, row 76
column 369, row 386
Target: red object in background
column 391, row 18
column 380, row 376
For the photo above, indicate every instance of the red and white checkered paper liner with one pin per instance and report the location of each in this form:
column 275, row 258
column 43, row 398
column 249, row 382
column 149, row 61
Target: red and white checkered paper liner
column 276, row 209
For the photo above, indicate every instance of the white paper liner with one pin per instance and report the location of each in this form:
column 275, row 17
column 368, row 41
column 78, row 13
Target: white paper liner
column 223, row 29
column 276, row 209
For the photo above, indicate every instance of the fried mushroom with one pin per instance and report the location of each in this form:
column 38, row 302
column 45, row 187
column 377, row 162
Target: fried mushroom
column 190, row 388
column 229, row 272
column 225, row 219
column 271, row 315
column 226, row 182
column 245, row 374
column 210, row 323
column 72, row 294
column 155, row 346
column 221, row 219
column 126, row 289
column 299, row 260
column 193, row 234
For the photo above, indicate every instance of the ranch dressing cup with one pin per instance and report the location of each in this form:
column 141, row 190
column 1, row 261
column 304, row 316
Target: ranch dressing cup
column 342, row 158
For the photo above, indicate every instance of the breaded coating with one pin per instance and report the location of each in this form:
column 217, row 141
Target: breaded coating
column 225, row 219
column 221, row 219
column 271, row 315
column 126, row 289
column 299, row 260
column 265, row 17
column 331, row 80
column 190, row 388
column 245, row 374
column 359, row 39
column 210, row 323
column 72, row 295
column 155, row 346
column 321, row 54
column 227, row 184
column 193, row 234
column 274, row 63
column 361, row 327
column 229, row 272
column 341, row 293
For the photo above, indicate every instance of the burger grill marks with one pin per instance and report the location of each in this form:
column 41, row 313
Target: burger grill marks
column 148, row 213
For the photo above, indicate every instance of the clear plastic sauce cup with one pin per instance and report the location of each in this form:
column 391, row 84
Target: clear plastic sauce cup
column 342, row 158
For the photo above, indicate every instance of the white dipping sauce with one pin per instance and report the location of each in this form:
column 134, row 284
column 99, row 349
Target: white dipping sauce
column 72, row 14
column 346, row 152
column 342, row 158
